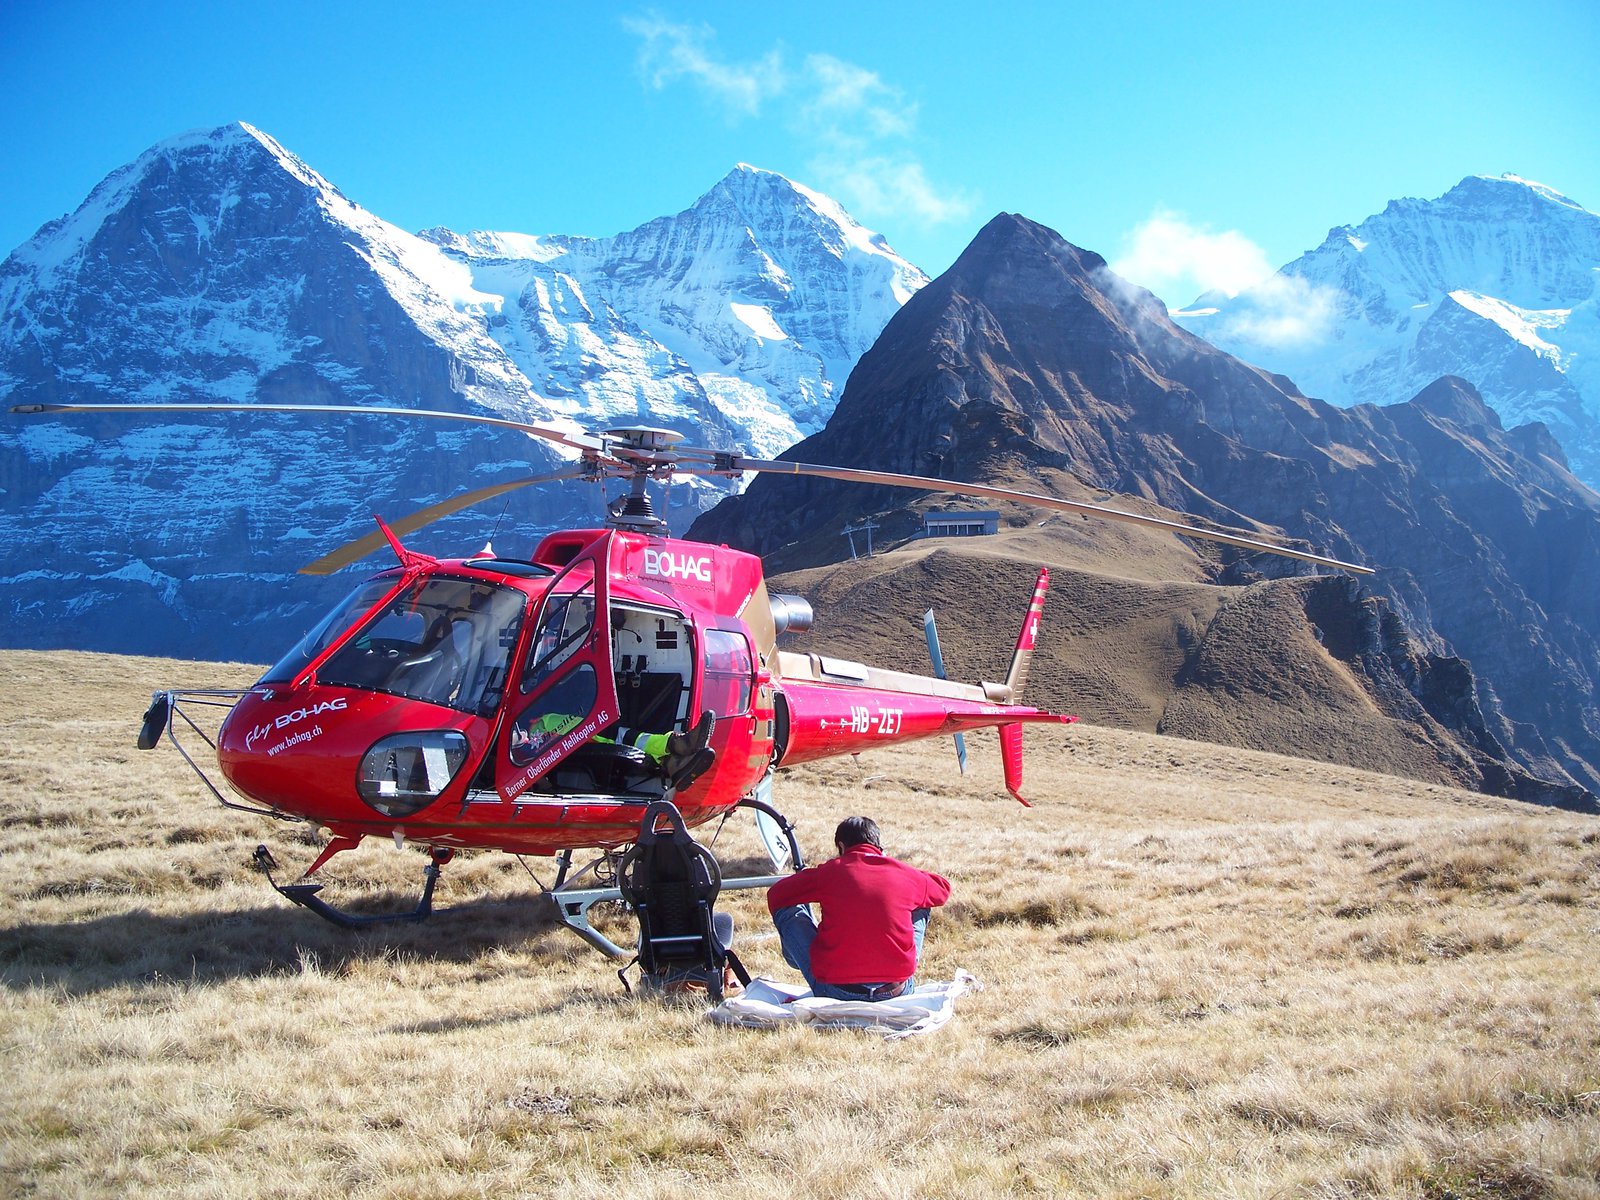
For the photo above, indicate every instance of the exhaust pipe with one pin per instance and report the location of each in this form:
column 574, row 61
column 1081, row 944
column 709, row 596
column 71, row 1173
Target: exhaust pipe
column 791, row 614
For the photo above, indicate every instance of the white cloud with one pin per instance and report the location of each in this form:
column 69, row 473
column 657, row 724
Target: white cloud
column 886, row 184
column 1283, row 311
column 1173, row 258
column 672, row 52
column 858, row 125
column 848, row 97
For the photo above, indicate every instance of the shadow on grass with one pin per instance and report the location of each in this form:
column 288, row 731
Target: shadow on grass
column 585, row 1001
column 138, row 947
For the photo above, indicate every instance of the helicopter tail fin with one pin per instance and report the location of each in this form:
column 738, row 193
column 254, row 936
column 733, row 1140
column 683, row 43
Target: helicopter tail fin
column 1017, row 677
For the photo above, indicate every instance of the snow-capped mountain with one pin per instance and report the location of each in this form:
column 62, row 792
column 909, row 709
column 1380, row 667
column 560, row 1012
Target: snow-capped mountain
column 1497, row 281
column 753, row 304
column 219, row 267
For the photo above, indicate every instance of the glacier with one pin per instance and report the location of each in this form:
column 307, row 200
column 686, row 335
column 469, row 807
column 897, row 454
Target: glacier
column 1497, row 281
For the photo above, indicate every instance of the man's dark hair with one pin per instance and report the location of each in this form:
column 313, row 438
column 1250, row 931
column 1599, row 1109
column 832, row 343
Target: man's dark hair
column 853, row 831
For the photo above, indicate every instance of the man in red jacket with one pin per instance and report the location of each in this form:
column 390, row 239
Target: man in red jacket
column 874, row 914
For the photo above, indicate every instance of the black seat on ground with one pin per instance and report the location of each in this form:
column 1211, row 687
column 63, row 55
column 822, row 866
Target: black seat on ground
column 671, row 882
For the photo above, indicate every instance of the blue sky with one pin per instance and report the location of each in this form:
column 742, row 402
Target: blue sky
column 1243, row 130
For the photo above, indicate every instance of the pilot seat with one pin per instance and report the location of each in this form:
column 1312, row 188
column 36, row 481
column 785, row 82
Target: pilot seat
column 671, row 883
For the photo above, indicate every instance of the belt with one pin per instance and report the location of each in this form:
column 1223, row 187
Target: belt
column 874, row 991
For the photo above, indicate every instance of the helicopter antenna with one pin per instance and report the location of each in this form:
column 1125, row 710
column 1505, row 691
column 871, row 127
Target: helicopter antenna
column 498, row 521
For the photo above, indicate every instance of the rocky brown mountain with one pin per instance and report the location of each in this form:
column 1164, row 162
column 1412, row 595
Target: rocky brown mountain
column 1030, row 363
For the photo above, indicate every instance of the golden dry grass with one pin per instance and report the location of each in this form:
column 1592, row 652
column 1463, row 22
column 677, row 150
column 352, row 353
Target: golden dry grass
column 1208, row 972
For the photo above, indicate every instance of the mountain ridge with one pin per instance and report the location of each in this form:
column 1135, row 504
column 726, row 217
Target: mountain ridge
column 749, row 317
column 219, row 267
column 1029, row 360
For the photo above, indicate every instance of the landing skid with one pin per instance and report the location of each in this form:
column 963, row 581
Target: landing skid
column 572, row 903
column 305, row 894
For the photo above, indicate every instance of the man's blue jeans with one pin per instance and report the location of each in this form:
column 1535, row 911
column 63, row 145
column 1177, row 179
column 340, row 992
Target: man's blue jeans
column 797, row 930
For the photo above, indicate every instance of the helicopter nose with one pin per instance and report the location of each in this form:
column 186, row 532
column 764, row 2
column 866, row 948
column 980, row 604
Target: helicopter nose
column 300, row 752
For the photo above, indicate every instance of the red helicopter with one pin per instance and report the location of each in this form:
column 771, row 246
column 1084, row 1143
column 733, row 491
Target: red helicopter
column 538, row 706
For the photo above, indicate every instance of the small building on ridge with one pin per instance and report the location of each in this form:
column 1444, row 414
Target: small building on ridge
column 960, row 524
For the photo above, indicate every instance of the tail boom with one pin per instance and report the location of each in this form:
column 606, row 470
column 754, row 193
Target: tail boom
column 827, row 720
column 835, row 706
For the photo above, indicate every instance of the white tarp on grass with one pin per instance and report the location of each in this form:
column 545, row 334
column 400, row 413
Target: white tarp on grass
column 766, row 1004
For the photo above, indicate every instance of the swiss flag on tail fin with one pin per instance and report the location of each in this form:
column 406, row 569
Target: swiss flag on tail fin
column 1027, row 638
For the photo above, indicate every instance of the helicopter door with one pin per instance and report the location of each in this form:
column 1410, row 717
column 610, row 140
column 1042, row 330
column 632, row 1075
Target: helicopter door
column 565, row 692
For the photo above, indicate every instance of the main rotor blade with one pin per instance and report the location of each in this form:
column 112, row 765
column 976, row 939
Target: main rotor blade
column 549, row 434
column 890, row 479
column 716, row 462
column 355, row 551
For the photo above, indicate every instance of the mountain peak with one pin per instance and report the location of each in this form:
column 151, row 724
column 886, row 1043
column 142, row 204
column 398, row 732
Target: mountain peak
column 1454, row 399
column 221, row 142
column 746, row 185
column 1013, row 258
column 1476, row 200
column 1009, row 233
column 1509, row 188
column 212, row 159
column 763, row 199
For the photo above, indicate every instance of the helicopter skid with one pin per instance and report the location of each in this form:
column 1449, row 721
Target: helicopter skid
column 573, row 904
column 305, row 895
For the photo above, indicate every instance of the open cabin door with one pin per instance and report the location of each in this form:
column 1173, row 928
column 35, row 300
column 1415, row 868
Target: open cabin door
column 564, row 692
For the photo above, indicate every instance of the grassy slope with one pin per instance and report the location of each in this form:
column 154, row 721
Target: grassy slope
column 1122, row 629
column 1209, row 972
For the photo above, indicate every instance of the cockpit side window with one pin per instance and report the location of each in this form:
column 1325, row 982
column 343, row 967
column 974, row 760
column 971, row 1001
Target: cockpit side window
column 556, row 713
column 564, row 623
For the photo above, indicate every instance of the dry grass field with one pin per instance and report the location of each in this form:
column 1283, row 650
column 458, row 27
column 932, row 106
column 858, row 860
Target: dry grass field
column 1208, row 972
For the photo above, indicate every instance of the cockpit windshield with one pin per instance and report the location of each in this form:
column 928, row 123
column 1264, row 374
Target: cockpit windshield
column 322, row 634
column 442, row 640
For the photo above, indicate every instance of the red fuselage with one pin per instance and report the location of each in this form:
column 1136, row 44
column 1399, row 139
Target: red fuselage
column 465, row 703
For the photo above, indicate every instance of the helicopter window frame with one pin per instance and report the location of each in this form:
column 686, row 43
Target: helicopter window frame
column 543, row 663
column 738, row 670
column 565, row 652
column 671, row 652
column 463, row 657
column 558, row 702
